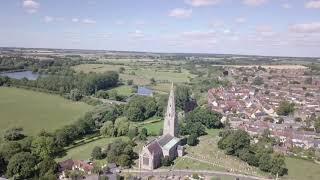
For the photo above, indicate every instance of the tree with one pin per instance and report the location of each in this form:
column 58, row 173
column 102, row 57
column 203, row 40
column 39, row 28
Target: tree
column 207, row 117
column 22, row 165
column 133, row 131
column 258, row 81
column 9, row 149
column 121, row 125
column 182, row 96
column 143, row 134
column 265, row 163
column 192, row 140
column 152, row 81
column 44, row 147
column 130, row 82
column 121, row 153
column 248, row 157
column 97, row 153
column 75, row 95
column 121, row 70
column 3, row 164
column 140, row 108
column 107, row 129
column 13, row 134
column 234, row 141
column 278, row 165
column 124, row 160
column 285, row 108
column 317, row 125
column 193, row 128
column 47, row 167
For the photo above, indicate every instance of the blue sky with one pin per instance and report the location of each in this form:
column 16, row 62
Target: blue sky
column 263, row 27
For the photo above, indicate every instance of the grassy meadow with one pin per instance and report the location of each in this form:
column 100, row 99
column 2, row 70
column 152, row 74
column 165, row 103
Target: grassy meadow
column 302, row 169
column 83, row 151
column 142, row 73
column 35, row 111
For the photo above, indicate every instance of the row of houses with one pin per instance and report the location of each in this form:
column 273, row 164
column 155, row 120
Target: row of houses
column 253, row 108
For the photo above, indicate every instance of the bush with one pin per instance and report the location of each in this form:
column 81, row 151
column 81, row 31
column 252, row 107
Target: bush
column 166, row 161
column 14, row 134
column 192, row 140
column 97, row 153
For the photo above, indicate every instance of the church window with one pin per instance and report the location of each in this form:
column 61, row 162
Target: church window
column 145, row 161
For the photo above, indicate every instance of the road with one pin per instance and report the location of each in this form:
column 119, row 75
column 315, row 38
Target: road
column 185, row 172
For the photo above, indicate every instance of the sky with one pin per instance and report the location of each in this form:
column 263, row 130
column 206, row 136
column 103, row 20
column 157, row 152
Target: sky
column 255, row 27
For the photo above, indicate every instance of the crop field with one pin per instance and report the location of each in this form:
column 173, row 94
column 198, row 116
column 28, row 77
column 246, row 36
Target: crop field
column 35, row 111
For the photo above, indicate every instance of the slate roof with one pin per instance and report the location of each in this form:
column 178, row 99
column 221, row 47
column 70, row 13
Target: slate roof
column 154, row 147
column 66, row 165
column 163, row 140
column 143, row 91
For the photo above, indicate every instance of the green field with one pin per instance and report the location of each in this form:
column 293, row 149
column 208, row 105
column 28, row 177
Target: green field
column 35, row 111
column 302, row 169
column 124, row 90
column 141, row 73
column 83, row 152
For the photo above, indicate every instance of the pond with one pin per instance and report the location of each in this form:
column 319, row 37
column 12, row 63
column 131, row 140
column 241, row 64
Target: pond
column 22, row 74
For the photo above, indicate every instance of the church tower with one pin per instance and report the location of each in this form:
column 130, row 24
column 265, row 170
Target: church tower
column 171, row 121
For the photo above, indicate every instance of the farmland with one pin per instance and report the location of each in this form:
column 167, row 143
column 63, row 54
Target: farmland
column 142, row 73
column 35, row 111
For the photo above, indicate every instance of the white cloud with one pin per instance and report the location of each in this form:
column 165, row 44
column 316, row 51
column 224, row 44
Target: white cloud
column 241, row 20
column 198, row 3
column 286, row 6
column 306, row 28
column 137, row 34
column 313, row 4
column 254, row 2
column 30, row 6
column 89, row 21
column 180, row 13
column 48, row 19
column 265, row 31
column 75, row 20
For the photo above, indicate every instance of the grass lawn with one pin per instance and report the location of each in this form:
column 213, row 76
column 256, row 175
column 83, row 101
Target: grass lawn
column 302, row 169
column 153, row 125
column 154, row 128
column 35, row 110
column 83, row 152
column 186, row 163
column 124, row 90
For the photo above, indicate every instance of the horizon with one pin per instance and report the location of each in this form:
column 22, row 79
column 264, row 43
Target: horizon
column 244, row 27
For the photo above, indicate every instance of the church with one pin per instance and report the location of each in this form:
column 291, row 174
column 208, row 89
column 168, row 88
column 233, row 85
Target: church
column 166, row 145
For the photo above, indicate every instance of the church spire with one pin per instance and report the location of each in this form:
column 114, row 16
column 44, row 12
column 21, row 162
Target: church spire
column 171, row 121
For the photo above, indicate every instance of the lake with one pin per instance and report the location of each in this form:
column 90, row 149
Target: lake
column 20, row 75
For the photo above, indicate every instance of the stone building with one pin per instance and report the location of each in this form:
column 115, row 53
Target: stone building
column 166, row 145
